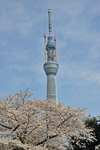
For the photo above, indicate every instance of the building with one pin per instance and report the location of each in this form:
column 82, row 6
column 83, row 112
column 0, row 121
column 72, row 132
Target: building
column 51, row 66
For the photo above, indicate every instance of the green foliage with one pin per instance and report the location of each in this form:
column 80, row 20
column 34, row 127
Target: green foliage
column 94, row 122
column 90, row 122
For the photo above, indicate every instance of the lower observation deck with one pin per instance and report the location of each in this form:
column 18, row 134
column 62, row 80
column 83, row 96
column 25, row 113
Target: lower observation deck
column 51, row 68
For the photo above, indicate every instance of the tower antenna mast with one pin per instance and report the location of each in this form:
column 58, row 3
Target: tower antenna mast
column 50, row 26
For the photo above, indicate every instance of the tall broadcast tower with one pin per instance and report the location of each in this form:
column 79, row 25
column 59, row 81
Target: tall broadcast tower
column 51, row 66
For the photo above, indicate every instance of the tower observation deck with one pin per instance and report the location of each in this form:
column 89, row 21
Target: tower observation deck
column 51, row 66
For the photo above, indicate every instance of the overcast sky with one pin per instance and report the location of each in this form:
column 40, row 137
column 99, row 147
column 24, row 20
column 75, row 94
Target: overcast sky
column 77, row 24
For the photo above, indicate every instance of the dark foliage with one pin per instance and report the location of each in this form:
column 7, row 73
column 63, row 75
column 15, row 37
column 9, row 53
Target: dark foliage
column 94, row 123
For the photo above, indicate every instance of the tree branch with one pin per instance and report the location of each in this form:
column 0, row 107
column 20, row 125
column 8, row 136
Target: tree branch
column 45, row 140
column 5, row 126
column 16, row 128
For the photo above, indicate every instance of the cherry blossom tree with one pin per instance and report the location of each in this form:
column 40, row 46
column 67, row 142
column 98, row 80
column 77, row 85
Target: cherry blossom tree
column 35, row 124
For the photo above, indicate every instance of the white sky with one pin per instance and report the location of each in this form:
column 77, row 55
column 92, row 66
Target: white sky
column 77, row 23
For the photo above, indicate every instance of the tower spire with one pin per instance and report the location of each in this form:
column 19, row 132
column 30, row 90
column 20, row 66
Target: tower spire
column 50, row 27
